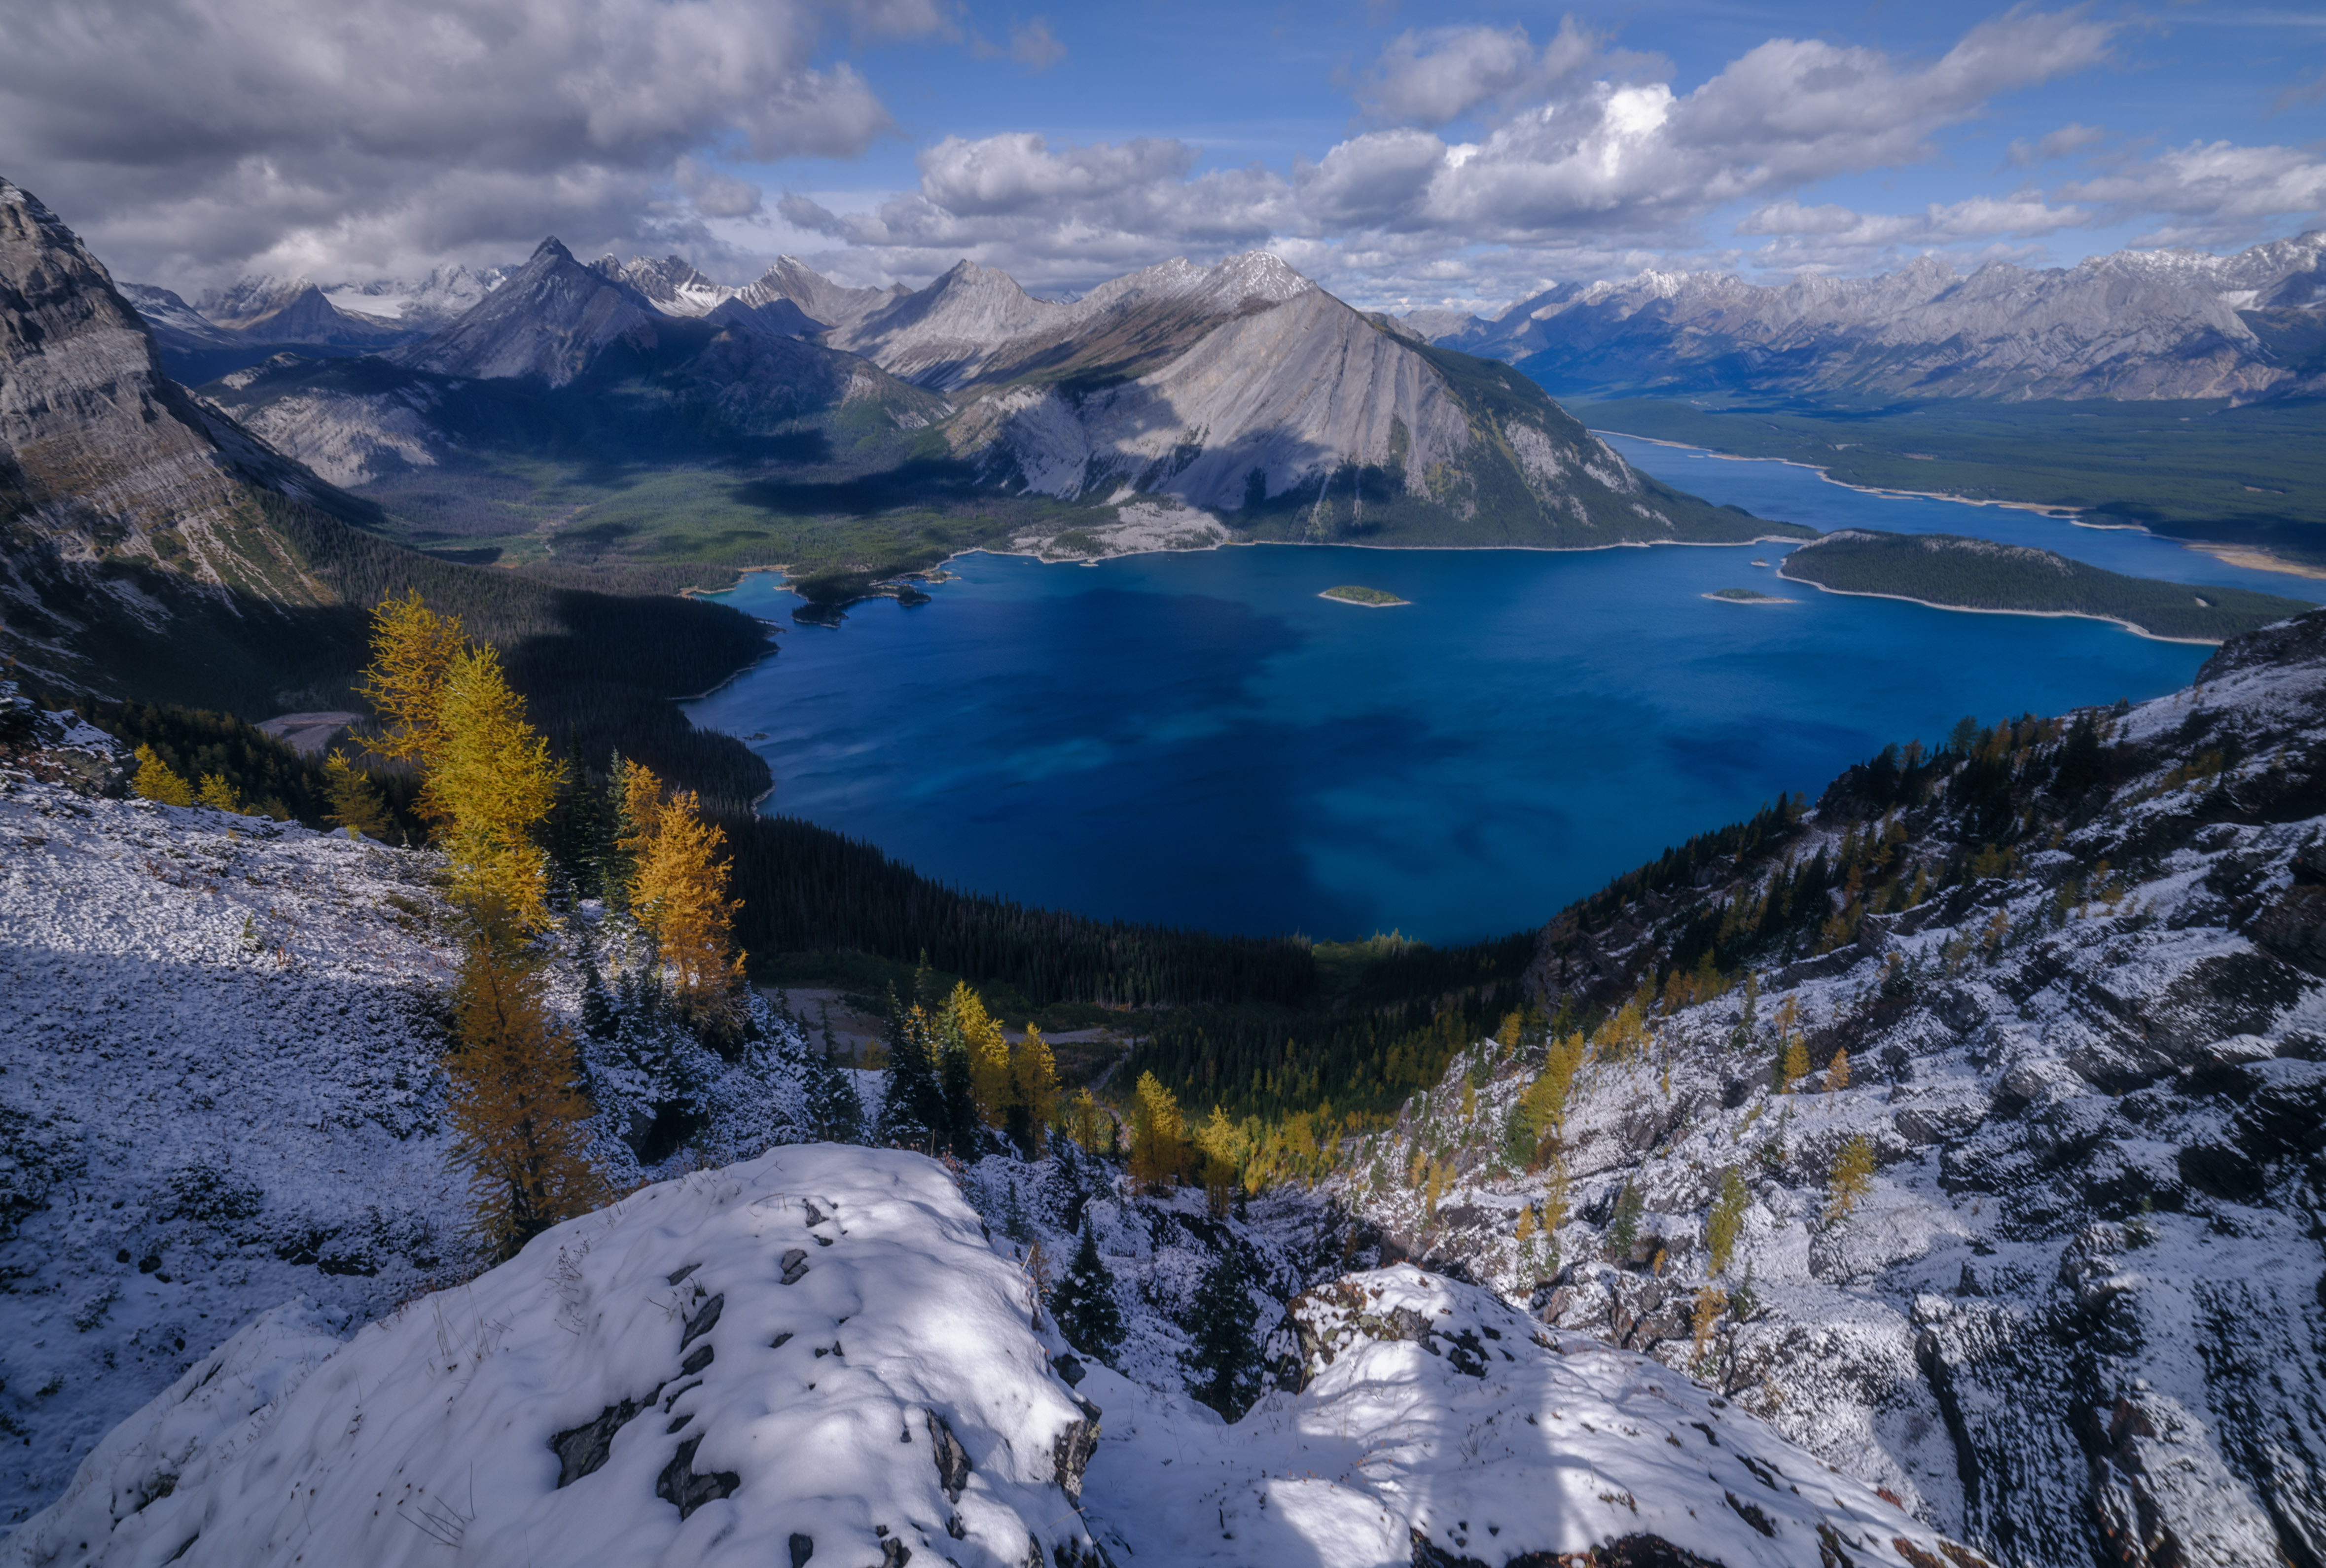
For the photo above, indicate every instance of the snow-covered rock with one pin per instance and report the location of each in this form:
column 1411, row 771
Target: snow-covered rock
column 810, row 1357
column 1438, row 1425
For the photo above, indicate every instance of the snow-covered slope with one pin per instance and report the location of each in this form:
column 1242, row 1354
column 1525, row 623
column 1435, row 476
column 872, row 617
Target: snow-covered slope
column 2137, row 324
column 427, row 304
column 2080, row 1313
column 1437, row 1425
column 813, row 1356
column 220, row 1087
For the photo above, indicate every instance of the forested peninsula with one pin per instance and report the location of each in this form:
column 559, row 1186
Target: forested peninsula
column 1951, row 572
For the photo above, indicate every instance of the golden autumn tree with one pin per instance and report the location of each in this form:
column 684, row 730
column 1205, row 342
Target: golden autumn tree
column 519, row 1119
column 678, row 892
column 492, row 782
column 413, row 650
column 357, row 803
column 157, row 781
column 1850, row 1178
column 1033, row 1089
column 486, row 782
column 978, row 1033
column 1159, row 1135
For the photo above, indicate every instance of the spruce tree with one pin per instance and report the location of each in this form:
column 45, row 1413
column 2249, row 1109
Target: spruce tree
column 963, row 1128
column 1225, row 1354
column 1083, row 1303
column 1623, row 1225
column 912, row 1112
column 833, row 1104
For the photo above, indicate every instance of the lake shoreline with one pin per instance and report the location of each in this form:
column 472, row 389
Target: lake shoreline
column 2250, row 557
column 1972, row 609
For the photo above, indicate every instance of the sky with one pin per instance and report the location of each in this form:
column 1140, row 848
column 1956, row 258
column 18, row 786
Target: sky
column 1404, row 155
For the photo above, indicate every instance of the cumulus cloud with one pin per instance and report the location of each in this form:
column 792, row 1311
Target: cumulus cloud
column 1575, row 157
column 1429, row 78
column 187, row 135
column 2210, row 192
column 1066, row 216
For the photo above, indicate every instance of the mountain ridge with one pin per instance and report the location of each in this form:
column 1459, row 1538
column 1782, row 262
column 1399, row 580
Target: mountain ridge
column 2133, row 324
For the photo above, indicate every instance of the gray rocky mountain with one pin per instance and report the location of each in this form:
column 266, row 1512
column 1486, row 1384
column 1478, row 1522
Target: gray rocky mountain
column 2057, row 994
column 145, row 530
column 833, row 304
column 105, row 460
column 673, row 284
column 547, row 322
column 2135, row 324
column 294, row 311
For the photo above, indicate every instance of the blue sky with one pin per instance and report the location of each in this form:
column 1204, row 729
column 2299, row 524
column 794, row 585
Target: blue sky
column 1404, row 155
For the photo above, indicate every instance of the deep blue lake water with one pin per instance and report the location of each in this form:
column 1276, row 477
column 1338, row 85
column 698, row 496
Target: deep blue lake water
column 1199, row 739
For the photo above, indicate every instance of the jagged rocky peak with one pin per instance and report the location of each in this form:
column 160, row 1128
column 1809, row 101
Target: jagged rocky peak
column 673, row 283
column 2058, row 999
column 549, row 319
column 831, row 303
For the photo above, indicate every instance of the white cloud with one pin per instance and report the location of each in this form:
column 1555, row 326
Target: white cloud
column 187, row 135
column 1428, row 78
column 2210, row 192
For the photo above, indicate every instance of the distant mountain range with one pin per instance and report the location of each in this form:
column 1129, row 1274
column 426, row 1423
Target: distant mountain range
column 1239, row 399
column 2137, row 324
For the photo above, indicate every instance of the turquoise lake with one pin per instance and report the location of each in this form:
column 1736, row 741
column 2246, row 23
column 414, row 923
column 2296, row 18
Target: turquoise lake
column 1199, row 739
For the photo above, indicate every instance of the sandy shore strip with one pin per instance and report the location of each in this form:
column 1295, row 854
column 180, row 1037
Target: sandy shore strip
column 1967, row 609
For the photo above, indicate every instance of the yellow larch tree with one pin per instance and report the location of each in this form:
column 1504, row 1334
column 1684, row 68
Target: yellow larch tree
column 979, row 1035
column 157, row 781
column 412, row 650
column 1033, row 1084
column 492, row 781
column 679, row 894
column 1158, row 1136
column 1850, row 1178
column 520, row 1118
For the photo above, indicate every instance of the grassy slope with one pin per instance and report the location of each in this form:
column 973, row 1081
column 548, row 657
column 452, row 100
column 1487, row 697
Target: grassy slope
column 1943, row 569
column 2192, row 471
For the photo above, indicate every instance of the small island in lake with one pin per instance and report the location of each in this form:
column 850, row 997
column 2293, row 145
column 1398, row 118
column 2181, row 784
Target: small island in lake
column 1947, row 571
column 1371, row 598
column 1746, row 595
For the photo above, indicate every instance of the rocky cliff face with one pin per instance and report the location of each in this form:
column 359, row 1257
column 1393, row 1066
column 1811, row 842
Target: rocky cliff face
column 2154, row 324
column 105, row 465
column 2056, row 997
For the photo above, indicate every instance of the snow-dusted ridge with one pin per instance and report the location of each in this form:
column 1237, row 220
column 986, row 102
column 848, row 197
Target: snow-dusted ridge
column 810, row 1355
